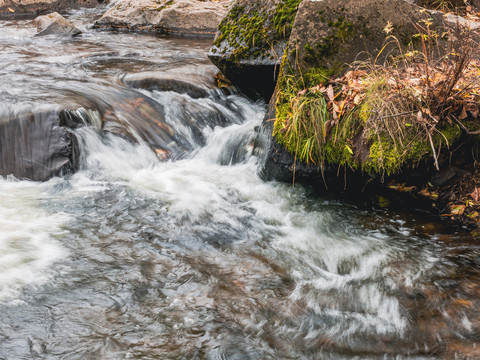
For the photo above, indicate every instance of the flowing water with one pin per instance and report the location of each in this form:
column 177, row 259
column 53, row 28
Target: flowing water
column 194, row 257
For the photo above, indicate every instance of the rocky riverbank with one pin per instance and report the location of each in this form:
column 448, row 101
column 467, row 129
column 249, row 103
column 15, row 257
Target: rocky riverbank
column 10, row 9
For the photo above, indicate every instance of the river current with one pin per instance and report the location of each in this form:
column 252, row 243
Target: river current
column 135, row 257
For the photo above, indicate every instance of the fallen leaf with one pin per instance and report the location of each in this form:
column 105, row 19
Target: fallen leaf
column 473, row 215
column 475, row 194
column 330, row 93
column 457, row 209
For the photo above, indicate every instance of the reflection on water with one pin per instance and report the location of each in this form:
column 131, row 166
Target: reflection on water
column 134, row 257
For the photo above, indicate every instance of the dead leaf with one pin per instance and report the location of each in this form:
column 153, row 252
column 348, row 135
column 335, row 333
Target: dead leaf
column 463, row 114
column 457, row 209
column 330, row 93
column 475, row 194
column 420, row 116
column 357, row 99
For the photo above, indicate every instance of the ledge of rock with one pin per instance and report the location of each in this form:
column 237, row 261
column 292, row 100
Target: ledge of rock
column 55, row 23
column 250, row 43
column 182, row 17
column 30, row 8
column 36, row 146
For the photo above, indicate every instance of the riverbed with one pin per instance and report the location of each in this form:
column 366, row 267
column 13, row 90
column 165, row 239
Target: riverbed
column 195, row 257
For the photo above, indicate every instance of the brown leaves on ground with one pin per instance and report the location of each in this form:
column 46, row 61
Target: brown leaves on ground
column 343, row 93
column 431, row 89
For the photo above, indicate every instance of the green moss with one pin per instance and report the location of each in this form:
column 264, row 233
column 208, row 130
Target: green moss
column 317, row 75
column 284, row 16
column 340, row 31
column 390, row 157
column 301, row 126
column 249, row 31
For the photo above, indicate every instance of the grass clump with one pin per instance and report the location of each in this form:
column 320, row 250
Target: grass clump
column 307, row 122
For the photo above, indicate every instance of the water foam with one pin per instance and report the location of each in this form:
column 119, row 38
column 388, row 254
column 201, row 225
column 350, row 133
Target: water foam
column 28, row 237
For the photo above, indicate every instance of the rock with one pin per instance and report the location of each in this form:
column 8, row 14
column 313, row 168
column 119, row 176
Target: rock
column 55, row 23
column 327, row 37
column 28, row 8
column 137, row 117
column 444, row 176
column 250, row 43
column 34, row 146
column 331, row 37
column 183, row 17
column 163, row 82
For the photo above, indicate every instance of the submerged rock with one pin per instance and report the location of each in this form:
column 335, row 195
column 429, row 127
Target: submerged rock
column 193, row 87
column 55, row 23
column 35, row 146
column 250, row 43
column 26, row 8
column 184, row 17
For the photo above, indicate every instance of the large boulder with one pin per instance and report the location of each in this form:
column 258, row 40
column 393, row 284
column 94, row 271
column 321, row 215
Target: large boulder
column 29, row 8
column 55, row 23
column 35, row 146
column 332, row 35
column 250, row 43
column 327, row 38
column 183, row 17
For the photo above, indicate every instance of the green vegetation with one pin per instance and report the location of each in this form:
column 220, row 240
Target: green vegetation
column 304, row 124
column 340, row 31
column 247, row 30
column 381, row 134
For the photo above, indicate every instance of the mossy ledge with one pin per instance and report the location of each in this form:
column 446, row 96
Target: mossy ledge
column 250, row 43
column 247, row 29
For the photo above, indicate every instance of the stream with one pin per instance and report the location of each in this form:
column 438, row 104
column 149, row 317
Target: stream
column 190, row 255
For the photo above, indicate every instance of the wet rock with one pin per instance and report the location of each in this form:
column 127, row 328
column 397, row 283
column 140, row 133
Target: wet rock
column 185, row 17
column 34, row 146
column 250, row 43
column 161, row 82
column 444, row 176
column 55, row 23
column 136, row 117
column 30, row 8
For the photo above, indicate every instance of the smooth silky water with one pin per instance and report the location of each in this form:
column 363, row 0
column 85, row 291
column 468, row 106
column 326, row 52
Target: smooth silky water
column 133, row 257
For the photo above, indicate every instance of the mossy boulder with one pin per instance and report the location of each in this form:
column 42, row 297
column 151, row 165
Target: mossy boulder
column 250, row 43
column 327, row 39
column 333, row 34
